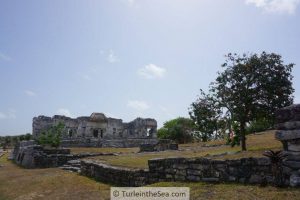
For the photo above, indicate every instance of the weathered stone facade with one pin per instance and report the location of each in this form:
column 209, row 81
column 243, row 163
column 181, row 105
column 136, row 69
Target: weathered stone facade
column 288, row 126
column 30, row 155
column 98, row 130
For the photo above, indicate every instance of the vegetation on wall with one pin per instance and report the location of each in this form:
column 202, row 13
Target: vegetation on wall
column 52, row 136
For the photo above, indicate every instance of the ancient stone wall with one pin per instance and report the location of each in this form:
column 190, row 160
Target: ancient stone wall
column 98, row 130
column 288, row 126
column 120, row 143
column 29, row 155
column 115, row 175
column 160, row 145
column 246, row 170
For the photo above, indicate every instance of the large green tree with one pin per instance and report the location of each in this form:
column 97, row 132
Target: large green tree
column 252, row 87
column 178, row 129
column 206, row 114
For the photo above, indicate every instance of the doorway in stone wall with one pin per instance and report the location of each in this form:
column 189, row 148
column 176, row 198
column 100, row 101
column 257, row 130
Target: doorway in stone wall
column 95, row 133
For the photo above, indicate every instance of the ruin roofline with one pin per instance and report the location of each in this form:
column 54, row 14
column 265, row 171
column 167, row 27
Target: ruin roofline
column 88, row 118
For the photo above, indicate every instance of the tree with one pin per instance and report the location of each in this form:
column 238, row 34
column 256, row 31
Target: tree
column 52, row 136
column 206, row 114
column 178, row 129
column 252, row 87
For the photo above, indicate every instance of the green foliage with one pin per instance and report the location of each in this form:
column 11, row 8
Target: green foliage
column 52, row 136
column 10, row 141
column 178, row 129
column 259, row 126
column 253, row 87
column 206, row 114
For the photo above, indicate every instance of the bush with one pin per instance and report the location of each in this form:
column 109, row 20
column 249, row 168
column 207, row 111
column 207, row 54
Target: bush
column 52, row 136
column 259, row 126
column 178, row 129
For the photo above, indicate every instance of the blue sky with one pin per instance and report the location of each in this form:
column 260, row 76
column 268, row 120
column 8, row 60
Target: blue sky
column 129, row 58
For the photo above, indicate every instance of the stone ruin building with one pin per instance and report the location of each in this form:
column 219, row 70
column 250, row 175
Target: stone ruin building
column 98, row 130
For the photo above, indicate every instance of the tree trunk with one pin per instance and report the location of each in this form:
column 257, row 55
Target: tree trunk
column 229, row 127
column 243, row 136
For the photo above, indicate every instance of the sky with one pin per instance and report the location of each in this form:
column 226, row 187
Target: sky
column 129, row 58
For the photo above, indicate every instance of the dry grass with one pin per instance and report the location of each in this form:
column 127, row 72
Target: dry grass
column 233, row 191
column 256, row 144
column 53, row 183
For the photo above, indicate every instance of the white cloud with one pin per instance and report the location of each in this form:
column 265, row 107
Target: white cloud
column 64, row 111
column 11, row 114
column 152, row 71
column 4, row 57
column 276, row 6
column 30, row 93
column 112, row 58
column 138, row 105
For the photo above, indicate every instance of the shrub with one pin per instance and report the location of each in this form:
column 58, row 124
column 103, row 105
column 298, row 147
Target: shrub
column 52, row 136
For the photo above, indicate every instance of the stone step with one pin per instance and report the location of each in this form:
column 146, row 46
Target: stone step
column 74, row 165
column 71, row 162
column 71, row 168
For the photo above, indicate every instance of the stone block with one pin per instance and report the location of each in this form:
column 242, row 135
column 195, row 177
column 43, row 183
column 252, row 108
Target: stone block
column 179, row 178
column 210, row 180
column 288, row 125
column 295, row 180
column 193, row 172
column 170, row 171
column 169, row 176
column 193, row 178
column 290, row 155
column 232, row 178
column 263, row 161
column 294, row 146
column 233, row 162
column 290, row 113
column 292, row 164
column 286, row 170
column 287, row 135
column 180, row 166
column 181, row 172
column 255, row 179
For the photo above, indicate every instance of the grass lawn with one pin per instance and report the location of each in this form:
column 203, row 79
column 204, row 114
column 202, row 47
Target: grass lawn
column 52, row 183
column 256, row 144
column 233, row 191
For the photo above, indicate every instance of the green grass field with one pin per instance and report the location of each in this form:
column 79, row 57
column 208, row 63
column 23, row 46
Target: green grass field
column 53, row 183
column 257, row 144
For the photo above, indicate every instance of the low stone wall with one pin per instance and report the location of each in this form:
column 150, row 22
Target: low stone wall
column 30, row 155
column 119, row 143
column 246, row 170
column 160, row 145
column 115, row 175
